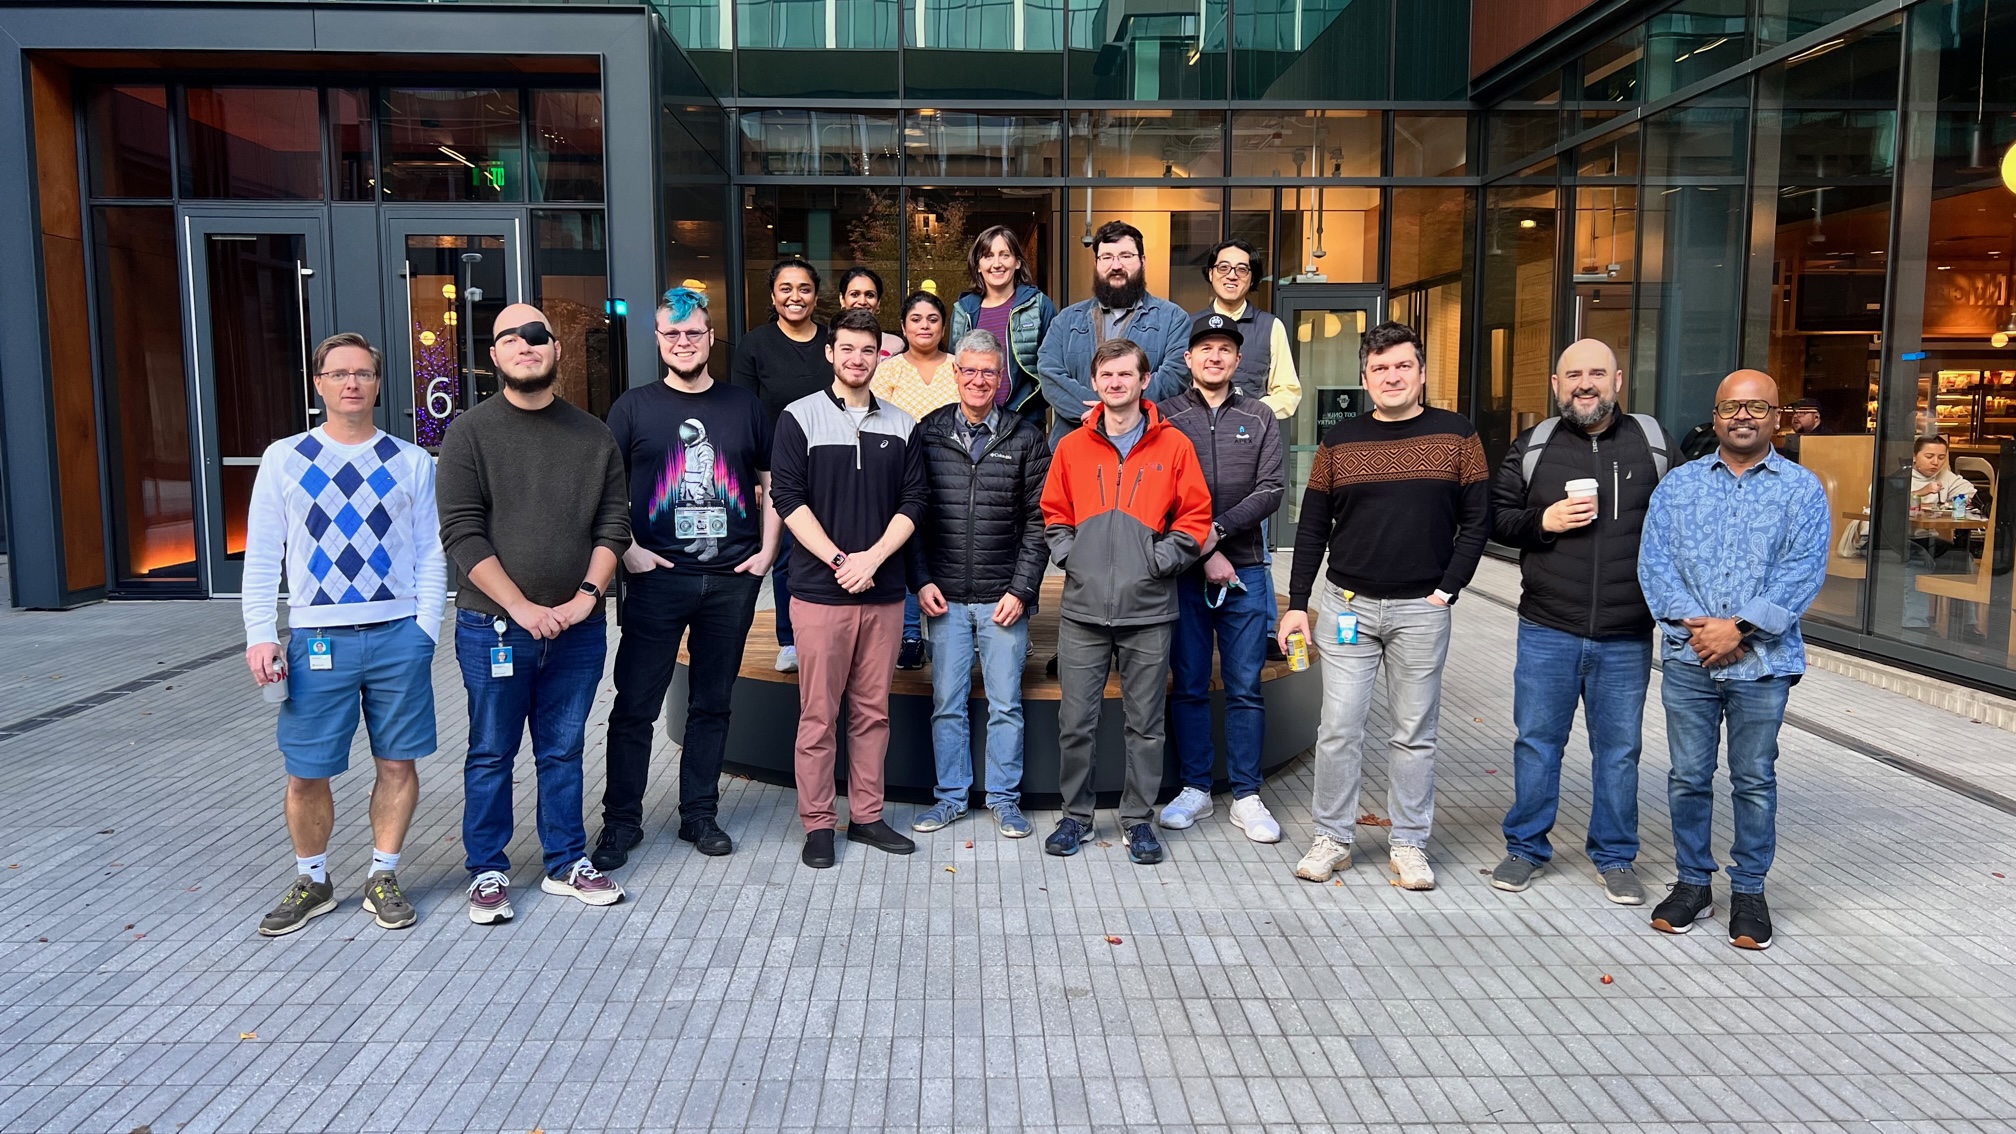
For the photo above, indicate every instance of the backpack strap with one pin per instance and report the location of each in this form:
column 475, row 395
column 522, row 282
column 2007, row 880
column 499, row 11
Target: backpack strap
column 1530, row 459
column 1655, row 439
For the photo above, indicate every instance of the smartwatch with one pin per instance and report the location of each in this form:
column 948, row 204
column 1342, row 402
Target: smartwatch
column 590, row 589
column 839, row 557
column 1745, row 627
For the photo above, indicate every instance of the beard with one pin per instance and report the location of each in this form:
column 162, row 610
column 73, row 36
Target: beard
column 1119, row 297
column 1604, row 407
column 531, row 384
column 684, row 375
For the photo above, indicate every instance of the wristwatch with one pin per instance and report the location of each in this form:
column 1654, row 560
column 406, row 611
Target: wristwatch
column 839, row 557
column 1745, row 627
column 590, row 589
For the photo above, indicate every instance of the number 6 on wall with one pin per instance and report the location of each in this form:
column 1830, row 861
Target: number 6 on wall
column 439, row 402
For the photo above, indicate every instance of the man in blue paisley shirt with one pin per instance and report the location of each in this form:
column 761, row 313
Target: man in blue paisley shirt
column 1735, row 550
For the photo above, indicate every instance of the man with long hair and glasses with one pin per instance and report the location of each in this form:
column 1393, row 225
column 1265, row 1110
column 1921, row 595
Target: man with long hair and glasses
column 364, row 600
column 1120, row 308
column 780, row 361
column 702, row 534
column 1004, row 301
column 1735, row 550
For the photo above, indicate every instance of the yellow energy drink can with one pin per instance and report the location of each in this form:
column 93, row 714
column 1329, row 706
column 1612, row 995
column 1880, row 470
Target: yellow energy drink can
column 1298, row 652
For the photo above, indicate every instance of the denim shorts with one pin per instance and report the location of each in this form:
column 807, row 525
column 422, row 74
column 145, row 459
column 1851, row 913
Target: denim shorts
column 386, row 670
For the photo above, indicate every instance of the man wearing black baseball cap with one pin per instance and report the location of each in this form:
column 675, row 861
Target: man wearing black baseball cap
column 1223, row 599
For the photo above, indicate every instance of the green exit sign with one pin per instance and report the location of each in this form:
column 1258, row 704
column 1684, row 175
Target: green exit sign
column 489, row 175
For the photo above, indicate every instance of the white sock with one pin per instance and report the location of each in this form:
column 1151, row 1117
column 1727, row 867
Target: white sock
column 316, row 867
column 383, row 860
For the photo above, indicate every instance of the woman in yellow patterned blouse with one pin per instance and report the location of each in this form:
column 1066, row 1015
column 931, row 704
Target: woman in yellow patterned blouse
column 921, row 378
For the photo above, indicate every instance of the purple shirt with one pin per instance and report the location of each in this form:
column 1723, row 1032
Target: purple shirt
column 994, row 321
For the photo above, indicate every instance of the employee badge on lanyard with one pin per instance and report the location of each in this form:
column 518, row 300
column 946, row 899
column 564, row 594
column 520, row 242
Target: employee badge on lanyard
column 320, row 656
column 500, row 654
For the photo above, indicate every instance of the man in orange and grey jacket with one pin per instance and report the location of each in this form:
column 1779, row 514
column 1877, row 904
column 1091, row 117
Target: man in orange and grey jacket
column 1127, row 499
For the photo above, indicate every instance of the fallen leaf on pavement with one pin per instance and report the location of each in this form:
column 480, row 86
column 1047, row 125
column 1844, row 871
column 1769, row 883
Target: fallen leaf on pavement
column 1103, row 843
column 1370, row 820
column 1998, row 874
column 1490, row 771
column 1607, row 979
column 1111, row 940
column 248, row 1035
column 969, row 844
column 951, row 870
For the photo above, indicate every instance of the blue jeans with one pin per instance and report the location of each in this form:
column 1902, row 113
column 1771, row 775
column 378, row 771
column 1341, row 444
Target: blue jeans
column 553, row 686
column 1696, row 706
column 955, row 636
column 780, row 588
column 913, row 616
column 1608, row 677
column 1238, row 628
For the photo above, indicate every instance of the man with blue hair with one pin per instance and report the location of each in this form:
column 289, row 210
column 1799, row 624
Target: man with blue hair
column 702, row 538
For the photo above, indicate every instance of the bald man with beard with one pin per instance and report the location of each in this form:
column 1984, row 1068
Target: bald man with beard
column 535, row 509
column 1735, row 550
column 1585, row 635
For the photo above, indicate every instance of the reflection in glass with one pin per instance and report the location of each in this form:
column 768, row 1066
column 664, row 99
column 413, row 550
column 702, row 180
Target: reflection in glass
column 1330, row 234
column 961, row 48
column 1525, row 124
column 1782, row 21
column 128, row 141
column 567, row 145
column 1431, row 143
column 449, row 328
column 943, row 223
column 258, row 358
column 1604, row 254
column 1310, row 49
column 1149, row 143
column 1516, row 303
column 570, row 283
column 819, row 143
column 451, row 145
column 350, row 144
column 696, row 256
column 153, row 498
column 252, row 142
column 1311, row 143
column 706, row 30
column 830, row 227
column 1436, row 313
column 1430, row 229
column 1252, row 220
column 1177, row 225
column 957, row 144
column 1147, row 55
column 1431, row 50
column 819, row 48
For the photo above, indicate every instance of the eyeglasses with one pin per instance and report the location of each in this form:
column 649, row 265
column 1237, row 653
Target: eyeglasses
column 349, row 375
column 1236, row 271
column 534, row 334
column 970, row 372
column 1117, row 258
column 1758, row 407
column 686, row 336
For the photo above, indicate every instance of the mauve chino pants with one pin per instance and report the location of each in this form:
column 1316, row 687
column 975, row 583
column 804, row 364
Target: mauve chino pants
column 843, row 652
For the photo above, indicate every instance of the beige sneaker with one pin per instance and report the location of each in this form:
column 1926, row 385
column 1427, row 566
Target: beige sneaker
column 1326, row 856
column 1411, row 864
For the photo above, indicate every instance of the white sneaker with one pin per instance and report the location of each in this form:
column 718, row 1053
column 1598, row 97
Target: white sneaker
column 1251, row 816
column 1189, row 806
column 1326, row 856
column 1411, row 864
column 787, row 659
column 585, row 882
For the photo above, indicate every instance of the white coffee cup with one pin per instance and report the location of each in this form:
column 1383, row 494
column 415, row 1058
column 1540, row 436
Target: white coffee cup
column 1584, row 487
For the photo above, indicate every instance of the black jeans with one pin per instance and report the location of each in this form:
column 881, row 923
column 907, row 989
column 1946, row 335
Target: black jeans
column 658, row 608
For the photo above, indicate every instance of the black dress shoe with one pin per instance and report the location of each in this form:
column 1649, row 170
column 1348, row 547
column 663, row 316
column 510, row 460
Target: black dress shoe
column 881, row 836
column 818, row 852
column 707, row 837
column 613, row 848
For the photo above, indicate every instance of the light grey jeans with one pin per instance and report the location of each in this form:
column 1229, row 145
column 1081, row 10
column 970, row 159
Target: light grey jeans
column 1410, row 639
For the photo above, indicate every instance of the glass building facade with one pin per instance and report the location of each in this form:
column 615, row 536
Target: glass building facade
column 1811, row 188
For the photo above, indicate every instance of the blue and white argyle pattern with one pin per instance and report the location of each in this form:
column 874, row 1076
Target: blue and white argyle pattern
column 348, row 519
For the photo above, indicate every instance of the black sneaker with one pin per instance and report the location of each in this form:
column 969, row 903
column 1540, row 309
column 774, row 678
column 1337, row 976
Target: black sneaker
column 304, row 900
column 1685, row 905
column 613, row 848
column 818, row 853
column 1050, row 667
column 1749, row 921
column 1065, row 839
column 1142, row 846
column 911, row 656
column 707, row 836
column 881, row 836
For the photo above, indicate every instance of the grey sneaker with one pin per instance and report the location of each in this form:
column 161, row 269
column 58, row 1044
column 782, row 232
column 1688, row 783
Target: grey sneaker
column 937, row 817
column 1621, row 885
column 387, row 903
column 1514, row 874
column 304, row 901
column 1013, row 824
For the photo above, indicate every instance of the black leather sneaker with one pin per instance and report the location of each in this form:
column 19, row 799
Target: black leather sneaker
column 1064, row 841
column 1142, row 845
column 613, row 848
column 881, row 836
column 707, row 837
column 1685, row 905
column 818, row 853
column 911, row 655
column 1749, row 921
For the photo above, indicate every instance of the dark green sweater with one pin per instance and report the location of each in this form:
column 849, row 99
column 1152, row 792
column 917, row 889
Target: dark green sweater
column 540, row 490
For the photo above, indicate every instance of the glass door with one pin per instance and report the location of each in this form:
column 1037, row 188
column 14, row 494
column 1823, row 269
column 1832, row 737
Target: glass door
column 449, row 279
column 1325, row 323
column 258, row 304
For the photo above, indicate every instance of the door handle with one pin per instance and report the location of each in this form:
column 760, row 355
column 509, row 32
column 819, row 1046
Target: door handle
column 301, row 274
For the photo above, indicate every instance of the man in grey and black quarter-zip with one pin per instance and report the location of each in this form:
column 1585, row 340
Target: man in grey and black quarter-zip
column 1584, row 631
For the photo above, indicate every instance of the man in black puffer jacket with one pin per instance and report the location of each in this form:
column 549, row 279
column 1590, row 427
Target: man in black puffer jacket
column 1585, row 634
column 984, row 552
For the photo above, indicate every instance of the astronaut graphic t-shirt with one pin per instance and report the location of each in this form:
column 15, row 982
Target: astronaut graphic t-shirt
column 693, row 461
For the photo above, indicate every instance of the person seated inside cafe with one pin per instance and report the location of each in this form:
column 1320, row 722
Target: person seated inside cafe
column 1933, row 546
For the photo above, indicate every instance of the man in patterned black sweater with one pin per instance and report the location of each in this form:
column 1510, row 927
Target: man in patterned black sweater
column 1401, row 500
